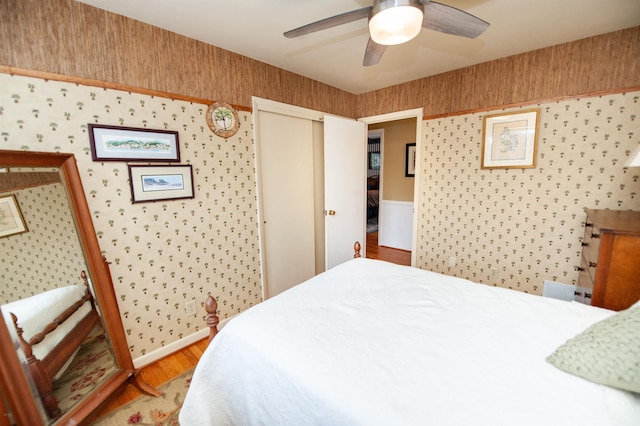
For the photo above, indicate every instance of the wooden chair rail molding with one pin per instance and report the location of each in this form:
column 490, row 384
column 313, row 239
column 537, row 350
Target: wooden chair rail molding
column 106, row 85
column 536, row 102
column 115, row 86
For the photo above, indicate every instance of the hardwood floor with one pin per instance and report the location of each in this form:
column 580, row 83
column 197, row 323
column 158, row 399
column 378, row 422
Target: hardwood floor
column 175, row 364
column 393, row 255
column 158, row 373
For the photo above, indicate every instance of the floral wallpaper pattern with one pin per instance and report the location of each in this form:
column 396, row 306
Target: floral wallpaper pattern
column 516, row 228
column 164, row 253
column 49, row 254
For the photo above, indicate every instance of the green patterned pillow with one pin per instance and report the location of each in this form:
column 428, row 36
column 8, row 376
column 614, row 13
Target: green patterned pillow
column 608, row 352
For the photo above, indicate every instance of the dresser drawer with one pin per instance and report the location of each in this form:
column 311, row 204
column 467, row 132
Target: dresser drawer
column 584, row 289
column 591, row 242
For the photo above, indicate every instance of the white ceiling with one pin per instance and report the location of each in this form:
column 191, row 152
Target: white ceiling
column 254, row 28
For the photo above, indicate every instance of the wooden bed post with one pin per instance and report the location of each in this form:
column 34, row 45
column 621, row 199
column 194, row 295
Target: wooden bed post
column 356, row 249
column 211, row 306
column 85, row 280
column 39, row 375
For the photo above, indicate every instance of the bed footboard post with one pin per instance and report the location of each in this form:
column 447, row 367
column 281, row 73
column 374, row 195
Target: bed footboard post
column 356, row 249
column 85, row 280
column 39, row 375
column 211, row 306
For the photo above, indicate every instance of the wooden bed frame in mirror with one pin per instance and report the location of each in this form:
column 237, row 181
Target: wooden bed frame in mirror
column 44, row 369
column 15, row 387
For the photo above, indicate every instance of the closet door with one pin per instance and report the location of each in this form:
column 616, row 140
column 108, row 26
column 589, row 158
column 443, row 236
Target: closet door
column 287, row 198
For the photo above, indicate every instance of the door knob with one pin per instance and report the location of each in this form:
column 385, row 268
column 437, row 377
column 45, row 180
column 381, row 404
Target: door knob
column 332, row 212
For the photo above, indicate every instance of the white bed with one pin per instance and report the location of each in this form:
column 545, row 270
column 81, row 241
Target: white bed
column 372, row 343
column 36, row 312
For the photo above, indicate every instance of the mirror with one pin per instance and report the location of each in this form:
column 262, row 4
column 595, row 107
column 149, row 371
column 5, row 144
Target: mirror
column 63, row 346
column 45, row 286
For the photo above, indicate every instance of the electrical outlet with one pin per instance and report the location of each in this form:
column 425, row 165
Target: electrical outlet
column 494, row 272
column 452, row 261
column 190, row 307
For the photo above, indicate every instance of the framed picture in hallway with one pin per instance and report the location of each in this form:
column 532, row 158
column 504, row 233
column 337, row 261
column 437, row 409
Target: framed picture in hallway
column 410, row 160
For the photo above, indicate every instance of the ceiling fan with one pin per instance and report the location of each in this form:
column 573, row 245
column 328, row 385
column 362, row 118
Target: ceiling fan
column 398, row 21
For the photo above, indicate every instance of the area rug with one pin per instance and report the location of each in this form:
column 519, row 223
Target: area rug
column 149, row 410
column 90, row 366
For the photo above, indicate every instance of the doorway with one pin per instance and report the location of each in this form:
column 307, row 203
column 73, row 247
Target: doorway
column 393, row 211
column 374, row 170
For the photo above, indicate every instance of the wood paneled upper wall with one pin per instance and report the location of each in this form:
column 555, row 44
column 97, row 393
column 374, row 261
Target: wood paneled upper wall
column 71, row 38
column 603, row 63
column 74, row 39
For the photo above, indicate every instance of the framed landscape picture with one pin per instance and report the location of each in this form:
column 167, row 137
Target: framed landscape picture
column 113, row 143
column 152, row 183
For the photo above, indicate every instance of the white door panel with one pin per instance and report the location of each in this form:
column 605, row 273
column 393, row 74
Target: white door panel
column 344, row 176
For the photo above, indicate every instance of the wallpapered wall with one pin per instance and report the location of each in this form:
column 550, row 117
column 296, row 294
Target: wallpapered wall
column 163, row 253
column 49, row 254
column 526, row 223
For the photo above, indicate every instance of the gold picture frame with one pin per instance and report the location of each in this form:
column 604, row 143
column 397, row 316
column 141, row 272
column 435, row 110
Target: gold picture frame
column 510, row 140
column 11, row 219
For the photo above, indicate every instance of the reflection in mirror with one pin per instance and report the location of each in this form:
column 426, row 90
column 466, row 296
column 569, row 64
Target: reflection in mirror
column 45, row 292
column 15, row 347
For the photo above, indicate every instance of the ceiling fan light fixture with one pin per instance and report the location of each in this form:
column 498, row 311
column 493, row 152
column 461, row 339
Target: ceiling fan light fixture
column 395, row 21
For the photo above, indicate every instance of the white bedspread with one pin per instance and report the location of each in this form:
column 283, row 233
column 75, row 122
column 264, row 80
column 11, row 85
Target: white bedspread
column 371, row 343
column 35, row 312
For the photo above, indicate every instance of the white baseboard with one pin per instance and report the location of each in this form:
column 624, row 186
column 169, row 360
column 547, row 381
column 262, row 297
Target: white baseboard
column 164, row 351
column 172, row 347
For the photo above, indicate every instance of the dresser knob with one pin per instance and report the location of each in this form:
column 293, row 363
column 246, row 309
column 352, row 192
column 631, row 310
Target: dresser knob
column 592, row 264
column 585, row 244
column 577, row 293
column 587, row 295
column 588, row 225
column 579, row 268
column 595, row 235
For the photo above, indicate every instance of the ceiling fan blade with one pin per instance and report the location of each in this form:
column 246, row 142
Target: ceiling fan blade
column 448, row 19
column 334, row 21
column 373, row 53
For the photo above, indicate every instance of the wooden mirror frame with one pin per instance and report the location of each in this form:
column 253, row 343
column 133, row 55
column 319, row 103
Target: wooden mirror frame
column 14, row 385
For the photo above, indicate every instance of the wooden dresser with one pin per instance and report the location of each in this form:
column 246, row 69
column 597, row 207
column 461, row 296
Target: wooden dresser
column 609, row 272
